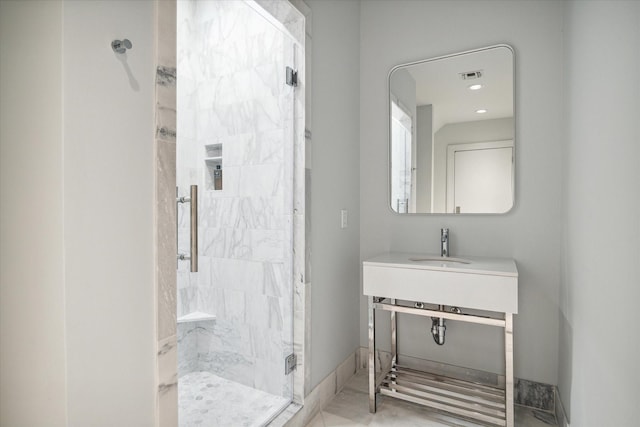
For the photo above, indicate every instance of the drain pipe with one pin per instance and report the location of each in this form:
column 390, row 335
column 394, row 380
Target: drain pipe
column 438, row 328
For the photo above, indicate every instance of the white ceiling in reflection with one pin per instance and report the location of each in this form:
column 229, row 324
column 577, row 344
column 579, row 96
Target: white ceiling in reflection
column 438, row 83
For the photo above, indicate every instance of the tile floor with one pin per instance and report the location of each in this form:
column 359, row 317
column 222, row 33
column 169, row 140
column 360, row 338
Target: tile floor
column 350, row 408
column 206, row 400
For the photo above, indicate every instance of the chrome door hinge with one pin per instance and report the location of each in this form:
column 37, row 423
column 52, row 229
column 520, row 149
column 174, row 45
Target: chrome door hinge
column 290, row 363
column 292, row 77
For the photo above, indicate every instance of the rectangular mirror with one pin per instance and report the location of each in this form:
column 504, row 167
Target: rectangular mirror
column 452, row 133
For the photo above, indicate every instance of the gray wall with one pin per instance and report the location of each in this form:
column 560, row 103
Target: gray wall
column 108, row 201
column 599, row 344
column 401, row 31
column 32, row 329
column 335, row 184
column 78, row 300
column 404, row 90
column 424, row 150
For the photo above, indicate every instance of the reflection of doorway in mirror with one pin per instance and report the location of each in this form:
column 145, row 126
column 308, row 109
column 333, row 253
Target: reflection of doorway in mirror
column 480, row 177
column 402, row 199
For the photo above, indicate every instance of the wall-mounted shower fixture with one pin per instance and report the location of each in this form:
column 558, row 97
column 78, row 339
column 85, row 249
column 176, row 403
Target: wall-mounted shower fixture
column 121, row 46
column 193, row 235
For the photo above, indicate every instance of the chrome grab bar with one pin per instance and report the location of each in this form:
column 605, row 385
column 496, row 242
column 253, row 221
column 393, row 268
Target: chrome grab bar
column 193, row 235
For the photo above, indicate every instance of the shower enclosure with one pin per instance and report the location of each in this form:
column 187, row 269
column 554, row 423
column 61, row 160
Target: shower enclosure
column 239, row 121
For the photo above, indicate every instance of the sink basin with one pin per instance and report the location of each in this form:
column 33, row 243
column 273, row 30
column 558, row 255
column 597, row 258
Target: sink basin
column 439, row 259
column 472, row 282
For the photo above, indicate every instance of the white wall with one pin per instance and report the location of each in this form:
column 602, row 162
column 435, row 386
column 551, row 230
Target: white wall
column 335, row 184
column 77, row 245
column 108, row 196
column 403, row 31
column 599, row 345
column 32, row 337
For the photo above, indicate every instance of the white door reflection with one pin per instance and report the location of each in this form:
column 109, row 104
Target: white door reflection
column 480, row 177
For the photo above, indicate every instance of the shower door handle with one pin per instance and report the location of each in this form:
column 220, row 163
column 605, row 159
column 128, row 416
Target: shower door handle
column 194, row 229
column 193, row 235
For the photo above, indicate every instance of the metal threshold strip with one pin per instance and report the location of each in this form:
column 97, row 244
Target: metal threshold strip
column 474, row 401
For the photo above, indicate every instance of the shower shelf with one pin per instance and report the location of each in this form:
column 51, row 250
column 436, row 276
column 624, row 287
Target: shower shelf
column 196, row 316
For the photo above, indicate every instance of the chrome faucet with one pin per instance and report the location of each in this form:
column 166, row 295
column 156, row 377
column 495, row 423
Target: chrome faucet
column 444, row 242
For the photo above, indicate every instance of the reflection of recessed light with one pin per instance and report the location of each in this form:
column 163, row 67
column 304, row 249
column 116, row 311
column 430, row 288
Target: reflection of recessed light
column 475, row 87
column 481, row 111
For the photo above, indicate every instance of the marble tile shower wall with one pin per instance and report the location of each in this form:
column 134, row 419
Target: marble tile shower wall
column 231, row 91
column 165, row 144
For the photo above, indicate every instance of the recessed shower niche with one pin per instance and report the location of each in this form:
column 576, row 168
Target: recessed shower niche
column 213, row 166
column 240, row 140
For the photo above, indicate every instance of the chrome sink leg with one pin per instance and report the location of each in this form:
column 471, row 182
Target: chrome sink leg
column 372, row 357
column 508, row 352
column 394, row 339
column 394, row 336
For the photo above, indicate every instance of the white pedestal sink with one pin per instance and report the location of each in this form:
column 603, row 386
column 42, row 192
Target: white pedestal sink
column 472, row 282
column 489, row 284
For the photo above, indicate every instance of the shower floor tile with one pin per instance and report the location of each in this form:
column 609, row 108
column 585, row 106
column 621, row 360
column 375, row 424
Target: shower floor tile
column 206, row 400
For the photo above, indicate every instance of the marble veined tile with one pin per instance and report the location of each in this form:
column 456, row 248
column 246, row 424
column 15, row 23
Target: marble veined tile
column 229, row 365
column 165, row 167
column 187, row 298
column 264, row 311
column 187, row 342
column 255, row 148
column 268, row 245
column 317, row 421
column 270, row 376
column 235, row 87
column 232, row 91
column 534, row 395
column 267, row 79
column 242, row 212
column 275, row 279
column 239, row 275
column 261, row 180
column 206, row 400
column 270, row 112
column 165, row 76
column 231, row 305
column 226, row 243
column 267, row 344
column 287, row 14
column 233, row 119
column 167, row 382
column 228, row 336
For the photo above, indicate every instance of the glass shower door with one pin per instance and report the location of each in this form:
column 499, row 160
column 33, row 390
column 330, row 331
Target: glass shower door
column 235, row 140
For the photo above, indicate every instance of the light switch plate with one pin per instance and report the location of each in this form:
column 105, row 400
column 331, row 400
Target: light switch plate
column 344, row 218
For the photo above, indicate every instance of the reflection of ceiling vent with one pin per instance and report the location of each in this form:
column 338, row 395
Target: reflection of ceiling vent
column 470, row 75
